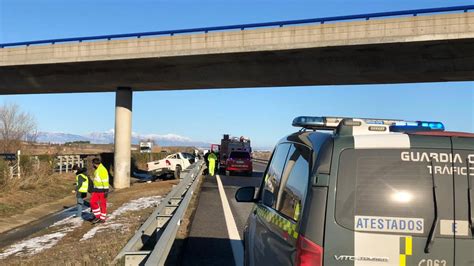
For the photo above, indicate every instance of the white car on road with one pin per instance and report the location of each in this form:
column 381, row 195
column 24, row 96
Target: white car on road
column 173, row 163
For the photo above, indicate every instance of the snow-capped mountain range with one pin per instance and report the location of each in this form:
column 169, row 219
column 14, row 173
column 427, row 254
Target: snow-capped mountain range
column 108, row 138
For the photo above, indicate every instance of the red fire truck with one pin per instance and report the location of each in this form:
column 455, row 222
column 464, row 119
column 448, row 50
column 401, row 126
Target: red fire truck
column 234, row 155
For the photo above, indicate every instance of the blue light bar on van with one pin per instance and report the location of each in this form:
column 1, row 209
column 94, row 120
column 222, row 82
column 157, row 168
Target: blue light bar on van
column 405, row 126
column 331, row 123
column 432, row 125
column 308, row 121
column 317, row 122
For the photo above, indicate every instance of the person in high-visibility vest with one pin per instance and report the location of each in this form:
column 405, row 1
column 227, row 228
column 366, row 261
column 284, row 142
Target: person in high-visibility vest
column 212, row 158
column 99, row 192
column 82, row 187
column 296, row 215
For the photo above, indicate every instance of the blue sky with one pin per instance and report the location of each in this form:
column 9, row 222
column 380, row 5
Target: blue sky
column 263, row 114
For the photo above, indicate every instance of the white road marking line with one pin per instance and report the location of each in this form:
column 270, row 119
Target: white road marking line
column 234, row 237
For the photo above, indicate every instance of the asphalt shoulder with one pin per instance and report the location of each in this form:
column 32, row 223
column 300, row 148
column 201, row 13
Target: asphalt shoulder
column 208, row 241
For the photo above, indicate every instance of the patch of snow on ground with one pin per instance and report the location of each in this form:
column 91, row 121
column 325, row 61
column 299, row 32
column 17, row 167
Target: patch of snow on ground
column 134, row 205
column 71, row 221
column 36, row 245
column 91, row 233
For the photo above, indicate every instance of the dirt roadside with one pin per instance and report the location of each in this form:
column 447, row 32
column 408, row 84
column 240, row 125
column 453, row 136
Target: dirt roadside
column 80, row 243
column 33, row 214
column 25, row 203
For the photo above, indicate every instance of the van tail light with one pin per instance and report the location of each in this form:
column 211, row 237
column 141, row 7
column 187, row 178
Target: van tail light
column 308, row 253
column 168, row 162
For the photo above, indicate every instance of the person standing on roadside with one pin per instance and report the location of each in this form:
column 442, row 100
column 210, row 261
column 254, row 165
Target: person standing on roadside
column 206, row 171
column 82, row 187
column 99, row 192
column 212, row 158
column 205, row 158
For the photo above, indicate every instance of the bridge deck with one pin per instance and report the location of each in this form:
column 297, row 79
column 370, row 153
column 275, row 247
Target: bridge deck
column 407, row 49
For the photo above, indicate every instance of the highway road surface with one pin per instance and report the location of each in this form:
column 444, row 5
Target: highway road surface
column 216, row 230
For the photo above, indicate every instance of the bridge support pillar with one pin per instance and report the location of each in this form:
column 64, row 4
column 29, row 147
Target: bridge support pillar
column 123, row 137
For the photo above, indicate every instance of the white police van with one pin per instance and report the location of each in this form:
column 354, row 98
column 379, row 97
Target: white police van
column 351, row 191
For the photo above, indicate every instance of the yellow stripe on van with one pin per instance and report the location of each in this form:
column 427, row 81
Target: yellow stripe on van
column 403, row 260
column 408, row 246
column 278, row 221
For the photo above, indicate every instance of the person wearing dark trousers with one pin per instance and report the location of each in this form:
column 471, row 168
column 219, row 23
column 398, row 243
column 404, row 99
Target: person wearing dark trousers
column 206, row 155
column 82, row 187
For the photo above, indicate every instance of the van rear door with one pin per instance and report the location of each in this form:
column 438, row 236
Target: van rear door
column 389, row 204
column 461, row 228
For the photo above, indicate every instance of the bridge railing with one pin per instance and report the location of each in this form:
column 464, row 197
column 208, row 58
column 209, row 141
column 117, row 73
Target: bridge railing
column 160, row 229
column 413, row 12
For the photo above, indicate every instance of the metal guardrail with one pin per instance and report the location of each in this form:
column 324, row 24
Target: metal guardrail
column 163, row 223
column 260, row 160
column 413, row 12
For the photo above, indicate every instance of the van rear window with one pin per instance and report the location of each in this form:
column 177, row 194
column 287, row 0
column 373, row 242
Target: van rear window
column 390, row 191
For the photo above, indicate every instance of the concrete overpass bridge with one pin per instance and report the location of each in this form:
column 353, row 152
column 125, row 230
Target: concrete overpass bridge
column 425, row 45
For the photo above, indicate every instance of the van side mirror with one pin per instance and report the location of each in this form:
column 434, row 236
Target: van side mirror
column 245, row 194
column 268, row 198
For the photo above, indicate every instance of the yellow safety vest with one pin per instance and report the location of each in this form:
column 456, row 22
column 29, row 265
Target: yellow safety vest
column 101, row 177
column 212, row 156
column 85, row 184
column 296, row 216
